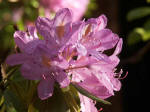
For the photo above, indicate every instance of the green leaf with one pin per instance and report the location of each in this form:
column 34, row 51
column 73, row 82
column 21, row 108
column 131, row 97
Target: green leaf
column 137, row 35
column 56, row 103
column 148, row 1
column 31, row 108
column 138, row 13
column 72, row 99
column 145, row 35
column 86, row 93
column 12, row 99
column 133, row 38
column 1, row 100
column 147, row 25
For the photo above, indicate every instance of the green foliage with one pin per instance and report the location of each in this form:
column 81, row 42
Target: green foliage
column 139, row 33
column 148, row 1
column 133, row 38
column 91, row 7
column 138, row 13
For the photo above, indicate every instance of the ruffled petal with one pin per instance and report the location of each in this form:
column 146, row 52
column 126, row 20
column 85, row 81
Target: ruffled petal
column 63, row 17
column 27, row 43
column 45, row 88
column 58, row 31
column 32, row 33
column 102, row 22
column 103, row 40
column 21, row 39
column 44, row 26
column 62, row 26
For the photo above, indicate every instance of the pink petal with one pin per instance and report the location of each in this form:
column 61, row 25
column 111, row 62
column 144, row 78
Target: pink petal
column 87, row 105
column 45, row 88
column 20, row 38
column 44, row 26
column 16, row 59
column 81, row 49
column 102, row 22
column 27, row 43
column 104, row 39
column 118, row 47
column 94, row 86
column 32, row 32
column 116, row 84
column 62, row 16
column 62, row 78
column 99, row 56
column 114, row 61
column 31, row 71
column 62, row 26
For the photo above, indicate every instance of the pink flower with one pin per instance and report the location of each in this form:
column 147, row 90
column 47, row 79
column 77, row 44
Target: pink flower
column 78, row 7
column 38, row 62
column 70, row 51
column 94, row 38
column 96, row 76
column 87, row 105
column 58, row 32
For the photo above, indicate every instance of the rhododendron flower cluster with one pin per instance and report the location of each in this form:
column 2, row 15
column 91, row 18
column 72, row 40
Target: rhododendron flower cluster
column 71, row 52
column 78, row 7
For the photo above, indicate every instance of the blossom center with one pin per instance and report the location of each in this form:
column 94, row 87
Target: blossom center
column 87, row 30
column 46, row 61
column 60, row 30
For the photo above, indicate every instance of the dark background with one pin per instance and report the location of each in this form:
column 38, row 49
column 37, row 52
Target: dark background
column 135, row 89
column 134, row 94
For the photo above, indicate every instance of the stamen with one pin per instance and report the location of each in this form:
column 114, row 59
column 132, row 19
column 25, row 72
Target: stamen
column 46, row 61
column 71, row 68
column 71, row 55
column 60, row 30
column 124, row 76
column 119, row 76
column 100, row 109
column 88, row 29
